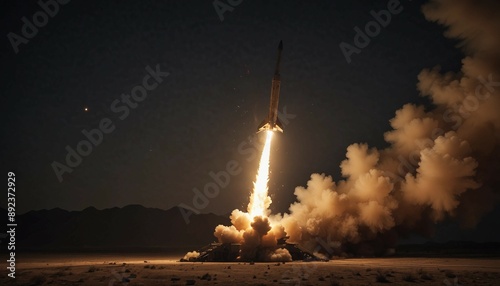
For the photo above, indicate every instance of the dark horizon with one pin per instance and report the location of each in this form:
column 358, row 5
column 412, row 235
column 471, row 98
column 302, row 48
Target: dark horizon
column 445, row 232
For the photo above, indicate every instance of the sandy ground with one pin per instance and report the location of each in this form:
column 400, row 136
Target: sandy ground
column 46, row 269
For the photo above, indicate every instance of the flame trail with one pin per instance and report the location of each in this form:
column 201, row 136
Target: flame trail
column 256, row 233
column 434, row 167
column 259, row 200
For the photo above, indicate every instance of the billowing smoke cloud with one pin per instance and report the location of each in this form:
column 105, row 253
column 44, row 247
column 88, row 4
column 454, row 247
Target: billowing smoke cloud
column 191, row 255
column 442, row 163
column 258, row 236
column 255, row 230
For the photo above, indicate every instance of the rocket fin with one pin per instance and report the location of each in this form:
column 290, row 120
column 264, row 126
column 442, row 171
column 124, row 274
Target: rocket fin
column 262, row 125
column 279, row 126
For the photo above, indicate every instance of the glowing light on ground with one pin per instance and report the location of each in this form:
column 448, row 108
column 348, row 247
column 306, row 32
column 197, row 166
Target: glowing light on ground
column 259, row 200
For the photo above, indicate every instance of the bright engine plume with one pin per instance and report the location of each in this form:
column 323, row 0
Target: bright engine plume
column 259, row 200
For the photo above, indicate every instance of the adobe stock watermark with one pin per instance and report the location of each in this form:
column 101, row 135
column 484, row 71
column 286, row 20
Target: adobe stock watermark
column 221, row 179
column 222, row 7
column 455, row 115
column 121, row 107
column 29, row 30
column 372, row 29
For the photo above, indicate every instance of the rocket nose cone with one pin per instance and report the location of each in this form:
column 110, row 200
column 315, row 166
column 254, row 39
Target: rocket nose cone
column 280, row 47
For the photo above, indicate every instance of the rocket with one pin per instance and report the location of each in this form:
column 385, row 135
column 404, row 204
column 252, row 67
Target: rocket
column 272, row 122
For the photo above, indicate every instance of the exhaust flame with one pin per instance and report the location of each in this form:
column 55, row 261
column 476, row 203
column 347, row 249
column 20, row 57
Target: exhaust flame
column 440, row 163
column 259, row 200
column 257, row 233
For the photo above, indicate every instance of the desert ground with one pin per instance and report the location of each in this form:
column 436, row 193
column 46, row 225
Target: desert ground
column 147, row 269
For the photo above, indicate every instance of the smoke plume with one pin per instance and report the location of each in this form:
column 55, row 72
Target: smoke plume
column 441, row 163
column 259, row 233
column 191, row 255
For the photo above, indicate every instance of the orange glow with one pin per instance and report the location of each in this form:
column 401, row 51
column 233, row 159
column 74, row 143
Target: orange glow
column 259, row 200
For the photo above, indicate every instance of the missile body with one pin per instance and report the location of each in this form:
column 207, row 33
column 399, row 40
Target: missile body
column 272, row 122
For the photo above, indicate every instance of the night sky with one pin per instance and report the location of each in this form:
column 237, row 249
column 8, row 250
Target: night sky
column 203, row 113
